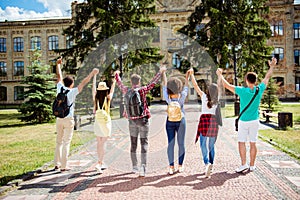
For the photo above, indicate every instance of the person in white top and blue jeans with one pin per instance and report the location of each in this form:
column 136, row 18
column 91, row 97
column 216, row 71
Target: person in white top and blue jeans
column 65, row 126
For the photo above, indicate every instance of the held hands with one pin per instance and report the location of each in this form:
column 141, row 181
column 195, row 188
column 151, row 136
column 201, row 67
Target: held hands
column 95, row 71
column 219, row 72
column 116, row 72
column 273, row 62
column 190, row 71
column 59, row 61
column 163, row 69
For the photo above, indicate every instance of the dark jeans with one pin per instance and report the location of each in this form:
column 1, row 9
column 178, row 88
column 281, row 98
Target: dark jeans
column 174, row 128
column 136, row 128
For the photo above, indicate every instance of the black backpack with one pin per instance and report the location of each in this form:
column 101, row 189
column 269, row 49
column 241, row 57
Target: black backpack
column 60, row 106
column 134, row 103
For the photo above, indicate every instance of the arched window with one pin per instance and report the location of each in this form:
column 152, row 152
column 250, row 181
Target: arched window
column 18, row 93
column 35, row 42
column 53, row 42
column 3, row 93
column 3, row 69
column 2, row 44
column 18, row 44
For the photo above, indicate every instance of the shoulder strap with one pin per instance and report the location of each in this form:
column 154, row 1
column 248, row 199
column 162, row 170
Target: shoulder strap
column 256, row 92
column 106, row 105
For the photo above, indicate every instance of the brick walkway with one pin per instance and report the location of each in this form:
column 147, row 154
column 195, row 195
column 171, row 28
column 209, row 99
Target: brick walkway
column 277, row 175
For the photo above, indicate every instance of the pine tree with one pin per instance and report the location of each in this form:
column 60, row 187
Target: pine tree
column 39, row 92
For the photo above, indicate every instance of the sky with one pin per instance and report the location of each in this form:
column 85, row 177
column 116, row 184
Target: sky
column 36, row 9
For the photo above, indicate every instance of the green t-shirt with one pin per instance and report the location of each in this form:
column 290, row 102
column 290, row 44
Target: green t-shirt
column 246, row 94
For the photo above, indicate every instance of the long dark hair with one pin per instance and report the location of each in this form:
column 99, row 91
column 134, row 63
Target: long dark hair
column 99, row 98
column 212, row 95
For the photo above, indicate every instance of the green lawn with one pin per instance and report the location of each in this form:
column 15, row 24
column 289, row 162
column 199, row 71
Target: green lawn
column 24, row 148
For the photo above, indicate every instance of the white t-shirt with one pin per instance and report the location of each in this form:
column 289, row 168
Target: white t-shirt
column 71, row 96
column 205, row 109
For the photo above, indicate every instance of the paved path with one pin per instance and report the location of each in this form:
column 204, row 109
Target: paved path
column 277, row 175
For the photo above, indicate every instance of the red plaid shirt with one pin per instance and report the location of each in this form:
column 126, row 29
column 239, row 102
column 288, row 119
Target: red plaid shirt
column 207, row 126
column 142, row 90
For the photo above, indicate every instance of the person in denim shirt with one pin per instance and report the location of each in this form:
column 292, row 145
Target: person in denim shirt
column 173, row 90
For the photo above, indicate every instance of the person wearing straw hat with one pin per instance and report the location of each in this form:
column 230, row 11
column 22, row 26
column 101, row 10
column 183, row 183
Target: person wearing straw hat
column 102, row 97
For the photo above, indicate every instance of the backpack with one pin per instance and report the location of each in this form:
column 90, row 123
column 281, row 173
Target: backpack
column 174, row 111
column 134, row 104
column 60, row 106
column 103, row 114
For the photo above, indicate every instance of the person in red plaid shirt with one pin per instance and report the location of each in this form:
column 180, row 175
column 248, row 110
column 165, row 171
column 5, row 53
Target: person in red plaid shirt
column 208, row 127
column 139, row 125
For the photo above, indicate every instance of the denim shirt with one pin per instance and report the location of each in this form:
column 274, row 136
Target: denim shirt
column 181, row 99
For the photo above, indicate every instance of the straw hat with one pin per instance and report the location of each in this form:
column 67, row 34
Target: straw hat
column 102, row 86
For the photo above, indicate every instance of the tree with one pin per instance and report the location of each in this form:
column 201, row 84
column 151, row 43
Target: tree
column 233, row 22
column 95, row 21
column 100, row 32
column 39, row 92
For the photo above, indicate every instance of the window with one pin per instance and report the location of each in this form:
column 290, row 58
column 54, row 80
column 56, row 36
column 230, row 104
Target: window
column 18, row 44
column 3, row 93
column 53, row 42
column 296, row 57
column 297, row 83
column 69, row 42
column 19, row 68
column 278, row 54
column 52, row 64
column 35, row 43
column 2, row 44
column 18, row 93
column 296, row 31
column 277, row 28
column 3, row 70
column 279, row 81
column 176, row 60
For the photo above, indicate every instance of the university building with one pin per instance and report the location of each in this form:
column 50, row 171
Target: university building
column 19, row 38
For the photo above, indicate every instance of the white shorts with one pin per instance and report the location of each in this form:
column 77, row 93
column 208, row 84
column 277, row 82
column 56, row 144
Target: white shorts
column 248, row 129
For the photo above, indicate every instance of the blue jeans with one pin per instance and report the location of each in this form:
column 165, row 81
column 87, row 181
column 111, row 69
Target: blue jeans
column 174, row 128
column 207, row 145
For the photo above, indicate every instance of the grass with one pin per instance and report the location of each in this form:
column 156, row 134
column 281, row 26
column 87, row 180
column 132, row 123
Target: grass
column 26, row 147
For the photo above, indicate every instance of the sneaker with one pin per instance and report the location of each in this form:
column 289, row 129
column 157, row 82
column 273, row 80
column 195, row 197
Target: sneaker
column 65, row 169
column 142, row 171
column 103, row 166
column 242, row 168
column 171, row 170
column 135, row 169
column 252, row 168
column 208, row 170
column 56, row 168
column 180, row 169
column 99, row 168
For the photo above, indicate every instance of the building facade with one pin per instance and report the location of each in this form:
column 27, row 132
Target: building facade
column 18, row 38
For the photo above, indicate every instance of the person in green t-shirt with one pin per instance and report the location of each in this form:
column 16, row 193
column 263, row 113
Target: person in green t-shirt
column 249, row 121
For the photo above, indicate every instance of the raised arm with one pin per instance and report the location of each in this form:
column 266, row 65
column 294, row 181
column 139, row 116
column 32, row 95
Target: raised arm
column 198, row 90
column 225, row 83
column 187, row 76
column 87, row 79
column 272, row 64
column 112, row 89
column 58, row 70
column 155, row 79
column 122, row 87
column 94, row 86
column 164, row 78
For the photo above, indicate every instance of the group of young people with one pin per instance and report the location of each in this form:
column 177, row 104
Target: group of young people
column 174, row 90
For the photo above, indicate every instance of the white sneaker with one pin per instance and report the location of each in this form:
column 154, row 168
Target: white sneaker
column 103, row 166
column 171, row 170
column 242, row 168
column 142, row 171
column 135, row 169
column 181, row 169
column 208, row 170
column 98, row 168
column 252, row 168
